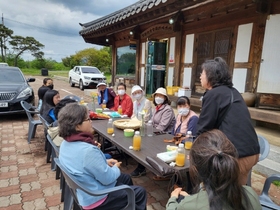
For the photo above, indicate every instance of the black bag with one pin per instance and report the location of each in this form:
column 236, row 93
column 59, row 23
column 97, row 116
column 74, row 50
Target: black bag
column 160, row 166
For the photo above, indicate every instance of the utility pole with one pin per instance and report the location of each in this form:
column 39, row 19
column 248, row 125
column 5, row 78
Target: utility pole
column 4, row 40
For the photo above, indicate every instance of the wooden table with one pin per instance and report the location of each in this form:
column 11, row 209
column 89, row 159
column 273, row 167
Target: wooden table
column 150, row 145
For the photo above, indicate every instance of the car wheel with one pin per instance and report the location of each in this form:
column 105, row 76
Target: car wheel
column 81, row 85
column 71, row 83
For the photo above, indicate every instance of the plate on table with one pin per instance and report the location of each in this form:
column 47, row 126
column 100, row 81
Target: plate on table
column 127, row 123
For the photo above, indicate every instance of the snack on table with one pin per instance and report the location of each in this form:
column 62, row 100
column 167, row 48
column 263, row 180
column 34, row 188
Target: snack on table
column 127, row 123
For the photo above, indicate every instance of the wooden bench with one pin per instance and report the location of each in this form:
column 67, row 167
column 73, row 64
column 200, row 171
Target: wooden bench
column 270, row 116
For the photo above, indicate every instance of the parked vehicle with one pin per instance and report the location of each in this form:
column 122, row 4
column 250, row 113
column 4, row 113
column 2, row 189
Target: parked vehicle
column 85, row 76
column 13, row 89
column 3, row 64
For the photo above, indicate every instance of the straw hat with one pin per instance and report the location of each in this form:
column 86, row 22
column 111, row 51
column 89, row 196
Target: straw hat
column 135, row 88
column 161, row 91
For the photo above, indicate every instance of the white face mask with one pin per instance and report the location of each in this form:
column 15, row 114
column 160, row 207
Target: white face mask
column 121, row 92
column 159, row 100
column 138, row 96
column 183, row 111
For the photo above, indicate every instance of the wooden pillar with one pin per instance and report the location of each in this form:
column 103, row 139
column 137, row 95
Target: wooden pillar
column 177, row 59
column 114, row 63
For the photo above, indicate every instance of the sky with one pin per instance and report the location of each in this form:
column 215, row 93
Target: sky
column 55, row 23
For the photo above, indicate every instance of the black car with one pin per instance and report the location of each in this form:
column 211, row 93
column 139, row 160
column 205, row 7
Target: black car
column 13, row 89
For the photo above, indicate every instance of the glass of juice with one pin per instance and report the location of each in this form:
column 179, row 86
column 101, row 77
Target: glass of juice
column 188, row 144
column 180, row 159
column 110, row 130
column 120, row 110
column 103, row 106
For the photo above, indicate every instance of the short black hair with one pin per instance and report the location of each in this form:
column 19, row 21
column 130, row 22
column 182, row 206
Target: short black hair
column 121, row 84
column 183, row 100
column 62, row 104
column 46, row 79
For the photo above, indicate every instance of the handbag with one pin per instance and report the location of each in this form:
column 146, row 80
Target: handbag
column 160, row 166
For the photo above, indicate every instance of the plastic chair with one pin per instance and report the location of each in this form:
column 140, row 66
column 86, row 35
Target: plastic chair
column 265, row 200
column 264, row 151
column 73, row 184
column 74, row 97
column 54, row 153
column 30, row 110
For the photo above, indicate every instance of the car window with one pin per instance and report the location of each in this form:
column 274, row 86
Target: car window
column 11, row 76
column 3, row 64
column 91, row 70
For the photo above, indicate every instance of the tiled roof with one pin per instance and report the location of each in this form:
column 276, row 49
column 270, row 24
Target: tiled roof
column 140, row 6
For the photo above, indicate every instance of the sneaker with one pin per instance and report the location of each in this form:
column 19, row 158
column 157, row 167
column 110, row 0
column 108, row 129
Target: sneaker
column 137, row 173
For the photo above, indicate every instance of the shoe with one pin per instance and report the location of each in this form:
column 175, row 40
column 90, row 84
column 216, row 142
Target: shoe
column 137, row 173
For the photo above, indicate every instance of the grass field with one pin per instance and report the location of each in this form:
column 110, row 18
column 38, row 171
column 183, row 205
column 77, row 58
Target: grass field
column 37, row 72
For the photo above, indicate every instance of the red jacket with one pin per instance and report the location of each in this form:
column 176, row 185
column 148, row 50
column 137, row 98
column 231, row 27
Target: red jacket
column 126, row 104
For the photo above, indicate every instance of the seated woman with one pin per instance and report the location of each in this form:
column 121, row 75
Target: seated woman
column 141, row 103
column 83, row 158
column 163, row 120
column 51, row 98
column 123, row 100
column 186, row 119
column 47, row 85
column 163, row 117
column 215, row 172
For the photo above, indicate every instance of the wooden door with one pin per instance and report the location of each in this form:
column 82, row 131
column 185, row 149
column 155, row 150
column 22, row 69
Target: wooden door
column 208, row 46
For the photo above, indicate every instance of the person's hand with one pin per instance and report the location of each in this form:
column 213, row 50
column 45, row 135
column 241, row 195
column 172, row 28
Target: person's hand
column 111, row 162
column 178, row 191
column 118, row 164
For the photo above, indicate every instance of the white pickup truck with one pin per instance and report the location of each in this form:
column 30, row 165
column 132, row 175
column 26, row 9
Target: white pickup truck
column 85, row 76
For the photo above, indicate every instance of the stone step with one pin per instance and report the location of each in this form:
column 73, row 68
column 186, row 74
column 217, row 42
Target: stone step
column 267, row 167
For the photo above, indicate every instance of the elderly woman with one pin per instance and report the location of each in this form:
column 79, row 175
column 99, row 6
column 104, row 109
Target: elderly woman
column 214, row 168
column 223, row 108
column 163, row 117
column 83, row 158
column 105, row 95
column 186, row 119
column 141, row 104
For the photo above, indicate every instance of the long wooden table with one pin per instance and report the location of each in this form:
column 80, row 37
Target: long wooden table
column 151, row 146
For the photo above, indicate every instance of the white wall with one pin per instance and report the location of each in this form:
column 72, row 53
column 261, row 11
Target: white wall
column 189, row 48
column 243, row 42
column 239, row 79
column 269, row 75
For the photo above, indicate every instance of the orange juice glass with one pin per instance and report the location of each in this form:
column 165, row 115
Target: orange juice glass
column 188, row 145
column 103, row 106
column 110, row 130
column 136, row 143
column 180, row 159
column 120, row 110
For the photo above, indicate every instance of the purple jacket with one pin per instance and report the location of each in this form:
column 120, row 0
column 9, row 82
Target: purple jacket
column 164, row 118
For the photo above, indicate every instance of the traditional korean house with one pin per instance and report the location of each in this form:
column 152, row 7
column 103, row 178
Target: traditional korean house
column 159, row 43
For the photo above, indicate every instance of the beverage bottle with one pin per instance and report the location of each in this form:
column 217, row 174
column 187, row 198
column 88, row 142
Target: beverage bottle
column 110, row 127
column 137, row 141
column 120, row 109
column 189, row 140
column 103, row 105
column 149, row 128
column 180, row 158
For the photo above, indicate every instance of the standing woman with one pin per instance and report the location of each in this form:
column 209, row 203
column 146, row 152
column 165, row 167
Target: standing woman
column 51, row 98
column 186, row 119
column 123, row 100
column 141, row 103
column 215, row 172
column 223, row 108
column 163, row 117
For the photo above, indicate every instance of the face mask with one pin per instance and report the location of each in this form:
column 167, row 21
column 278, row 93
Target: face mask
column 159, row 100
column 50, row 86
column 183, row 111
column 138, row 96
column 121, row 92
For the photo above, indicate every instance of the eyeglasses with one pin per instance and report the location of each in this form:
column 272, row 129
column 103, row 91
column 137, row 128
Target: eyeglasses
column 88, row 119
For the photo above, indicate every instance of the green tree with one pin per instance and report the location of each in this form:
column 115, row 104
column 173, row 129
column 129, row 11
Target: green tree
column 22, row 44
column 5, row 34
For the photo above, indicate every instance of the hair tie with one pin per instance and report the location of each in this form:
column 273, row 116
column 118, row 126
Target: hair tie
column 220, row 154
